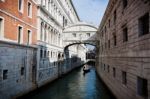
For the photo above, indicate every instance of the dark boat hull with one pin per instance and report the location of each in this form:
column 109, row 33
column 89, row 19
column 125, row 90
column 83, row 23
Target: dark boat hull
column 87, row 70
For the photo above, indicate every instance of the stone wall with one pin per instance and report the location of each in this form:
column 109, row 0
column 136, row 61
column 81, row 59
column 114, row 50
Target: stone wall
column 17, row 69
column 124, row 63
column 19, row 72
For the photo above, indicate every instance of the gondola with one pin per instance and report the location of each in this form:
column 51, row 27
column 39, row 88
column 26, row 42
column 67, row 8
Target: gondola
column 86, row 69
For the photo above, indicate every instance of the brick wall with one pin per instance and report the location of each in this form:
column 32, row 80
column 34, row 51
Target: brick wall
column 9, row 11
column 131, row 56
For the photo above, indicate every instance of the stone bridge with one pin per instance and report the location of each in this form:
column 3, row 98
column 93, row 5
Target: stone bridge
column 78, row 34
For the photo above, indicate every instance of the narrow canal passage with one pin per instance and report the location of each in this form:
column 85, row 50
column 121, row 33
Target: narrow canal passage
column 75, row 85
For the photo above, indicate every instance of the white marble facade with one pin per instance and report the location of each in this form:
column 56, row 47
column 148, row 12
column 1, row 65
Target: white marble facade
column 53, row 16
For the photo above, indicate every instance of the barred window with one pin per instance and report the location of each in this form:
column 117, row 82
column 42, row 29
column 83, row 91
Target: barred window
column 144, row 24
column 124, row 77
column 142, row 87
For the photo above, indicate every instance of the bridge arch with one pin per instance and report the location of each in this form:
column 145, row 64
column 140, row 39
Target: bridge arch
column 76, row 34
column 77, row 43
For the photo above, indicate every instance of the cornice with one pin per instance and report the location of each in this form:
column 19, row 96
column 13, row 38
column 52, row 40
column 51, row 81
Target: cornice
column 50, row 16
column 65, row 10
column 109, row 8
column 74, row 9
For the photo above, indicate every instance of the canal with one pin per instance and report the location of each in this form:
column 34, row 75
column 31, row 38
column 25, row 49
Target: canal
column 75, row 85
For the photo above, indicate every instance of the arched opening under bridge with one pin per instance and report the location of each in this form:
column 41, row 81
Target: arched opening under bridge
column 77, row 43
column 68, row 59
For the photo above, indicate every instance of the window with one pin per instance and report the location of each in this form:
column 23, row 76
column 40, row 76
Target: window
column 108, row 68
column 45, row 54
column 142, row 87
column 20, row 5
column 124, row 77
column 109, row 23
column 125, row 3
column 29, row 37
column 108, row 43
column 144, row 25
column 51, row 54
column 45, row 33
column 105, row 29
column 29, row 9
column 88, row 34
column 114, row 72
column 5, row 74
column 20, row 33
column 22, row 71
column 41, row 53
column 41, row 28
column 1, row 27
column 115, row 39
column 54, row 63
column 74, row 34
column 49, row 4
column 115, row 16
column 63, row 21
column 48, row 54
column 125, row 34
column 66, row 22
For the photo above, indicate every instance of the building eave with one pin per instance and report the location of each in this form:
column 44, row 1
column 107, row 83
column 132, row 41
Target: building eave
column 74, row 9
column 108, row 10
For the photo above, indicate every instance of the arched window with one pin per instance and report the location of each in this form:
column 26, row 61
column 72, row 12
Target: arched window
column 51, row 36
column 41, row 53
column 45, row 34
column 51, row 54
column 41, row 32
column 88, row 34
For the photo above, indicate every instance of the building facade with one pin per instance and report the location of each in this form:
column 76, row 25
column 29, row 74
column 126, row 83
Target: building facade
column 53, row 16
column 77, row 35
column 17, row 56
column 124, row 51
column 32, row 42
column 18, row 21
column 49, row 40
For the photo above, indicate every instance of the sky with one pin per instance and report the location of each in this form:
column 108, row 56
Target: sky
column 90, row 11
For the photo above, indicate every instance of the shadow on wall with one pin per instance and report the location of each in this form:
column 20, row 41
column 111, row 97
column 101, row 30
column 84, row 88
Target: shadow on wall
column 19, row 73
column 50, row 69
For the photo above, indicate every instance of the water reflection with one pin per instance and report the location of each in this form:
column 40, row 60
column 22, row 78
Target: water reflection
column 76, row 85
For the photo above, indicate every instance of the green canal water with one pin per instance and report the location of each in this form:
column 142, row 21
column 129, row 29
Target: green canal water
column 75, row 85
